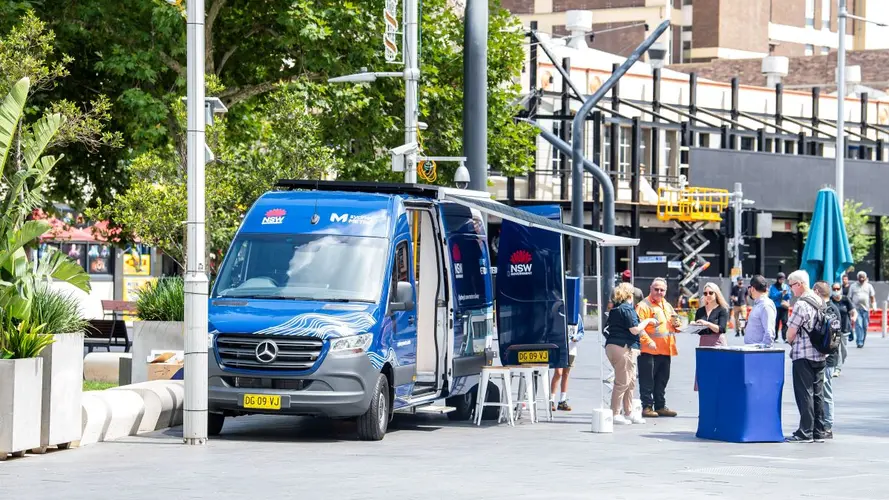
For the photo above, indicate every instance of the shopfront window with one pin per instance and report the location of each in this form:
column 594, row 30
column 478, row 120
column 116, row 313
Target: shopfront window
column 99, row 259
column 75, row 252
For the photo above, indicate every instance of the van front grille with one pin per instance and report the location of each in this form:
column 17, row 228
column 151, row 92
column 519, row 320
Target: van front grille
column 293, row 354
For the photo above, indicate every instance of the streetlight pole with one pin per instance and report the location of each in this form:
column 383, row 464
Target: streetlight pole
column 841, row 101
column 412, row 86
column 195, row 407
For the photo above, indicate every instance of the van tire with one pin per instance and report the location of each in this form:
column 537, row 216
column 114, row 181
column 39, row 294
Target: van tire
column 491, row 396
column 215, row 422
column 463, row 404
column 373, row 424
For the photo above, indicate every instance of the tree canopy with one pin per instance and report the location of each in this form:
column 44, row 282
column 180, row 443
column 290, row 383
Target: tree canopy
column 135, row 53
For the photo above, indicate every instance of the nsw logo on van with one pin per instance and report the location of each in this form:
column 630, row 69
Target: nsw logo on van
column 457, row 257
column 274, row 216
column 520, row 263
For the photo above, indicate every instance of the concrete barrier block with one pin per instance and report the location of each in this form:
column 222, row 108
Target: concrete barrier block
column 103, row 366
column 125, row 409
column 94, row 415
column 163, row 400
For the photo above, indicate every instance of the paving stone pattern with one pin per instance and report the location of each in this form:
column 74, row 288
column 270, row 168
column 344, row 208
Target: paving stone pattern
column 432, row 458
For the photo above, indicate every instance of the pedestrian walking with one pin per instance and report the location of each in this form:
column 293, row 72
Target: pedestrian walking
column 846, row 284
column 848, row 317
column 808, row 363
column 654, row 362
column 739, row 306
column 714, row 316
column 780, row 295
column 864, row 297
column 761, row 322
column 622, row 348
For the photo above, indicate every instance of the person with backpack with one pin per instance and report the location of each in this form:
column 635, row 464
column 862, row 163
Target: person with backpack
column 848, row 317
column 808, row 362
column 823, row 289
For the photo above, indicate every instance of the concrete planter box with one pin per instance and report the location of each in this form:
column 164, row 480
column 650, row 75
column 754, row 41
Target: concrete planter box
column 151, row 335
column 62, row 391
column 21, row 380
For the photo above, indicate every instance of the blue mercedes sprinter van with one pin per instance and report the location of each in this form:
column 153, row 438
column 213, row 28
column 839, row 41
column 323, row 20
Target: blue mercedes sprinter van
column 357, row 300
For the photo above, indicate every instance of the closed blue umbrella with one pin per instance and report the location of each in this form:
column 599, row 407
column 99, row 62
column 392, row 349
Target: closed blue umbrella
column 827, row 254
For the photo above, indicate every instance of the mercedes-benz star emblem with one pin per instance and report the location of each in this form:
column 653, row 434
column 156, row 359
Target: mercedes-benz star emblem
column 267, row 351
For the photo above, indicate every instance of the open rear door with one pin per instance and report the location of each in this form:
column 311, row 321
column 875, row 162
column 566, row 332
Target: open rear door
column 531, row 321
column 531, row 293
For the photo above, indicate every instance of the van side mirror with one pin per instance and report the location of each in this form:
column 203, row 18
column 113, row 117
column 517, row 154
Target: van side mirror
column 404, row 297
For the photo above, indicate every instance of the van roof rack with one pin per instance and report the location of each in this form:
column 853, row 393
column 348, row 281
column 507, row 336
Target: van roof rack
column 424, row 190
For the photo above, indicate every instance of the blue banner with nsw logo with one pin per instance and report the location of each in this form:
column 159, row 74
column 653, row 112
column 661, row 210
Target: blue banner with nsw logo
column 531, row 321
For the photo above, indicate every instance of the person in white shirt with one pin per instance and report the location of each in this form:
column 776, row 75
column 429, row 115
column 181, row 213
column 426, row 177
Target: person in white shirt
column 865, row 299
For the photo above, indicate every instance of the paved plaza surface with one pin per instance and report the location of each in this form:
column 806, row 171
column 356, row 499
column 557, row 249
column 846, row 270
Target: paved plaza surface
column 428, row 457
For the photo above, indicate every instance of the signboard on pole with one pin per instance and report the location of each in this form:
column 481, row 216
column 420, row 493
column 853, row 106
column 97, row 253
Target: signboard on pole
column 652, row 259
column 390, row 36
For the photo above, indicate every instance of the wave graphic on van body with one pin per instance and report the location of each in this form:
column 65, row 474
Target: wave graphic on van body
column 323, row 326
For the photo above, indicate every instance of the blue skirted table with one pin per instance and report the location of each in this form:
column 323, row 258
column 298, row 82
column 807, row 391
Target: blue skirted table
column 739, row 393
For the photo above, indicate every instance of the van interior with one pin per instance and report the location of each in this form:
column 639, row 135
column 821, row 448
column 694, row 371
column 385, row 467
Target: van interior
column 429, row 271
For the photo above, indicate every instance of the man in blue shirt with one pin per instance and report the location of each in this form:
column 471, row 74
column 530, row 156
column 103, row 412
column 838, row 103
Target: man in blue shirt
column 780, row 294
column 761, row 322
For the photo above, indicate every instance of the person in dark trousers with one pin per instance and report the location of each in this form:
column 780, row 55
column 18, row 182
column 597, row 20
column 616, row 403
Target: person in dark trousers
column 808, row 363
column 848, row 316
column 779, row 292
column 738, row 296
column 846, row 285
column 658, row 348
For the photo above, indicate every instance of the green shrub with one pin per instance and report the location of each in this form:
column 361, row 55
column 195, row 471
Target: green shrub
column 163, row 300
column 58, row 312
column 22, row 339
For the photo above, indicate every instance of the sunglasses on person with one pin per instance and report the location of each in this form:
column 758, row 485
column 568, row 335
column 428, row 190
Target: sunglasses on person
column 709, row 293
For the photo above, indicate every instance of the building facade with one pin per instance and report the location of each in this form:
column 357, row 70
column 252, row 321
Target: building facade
column 703, row 30
column 664, row 128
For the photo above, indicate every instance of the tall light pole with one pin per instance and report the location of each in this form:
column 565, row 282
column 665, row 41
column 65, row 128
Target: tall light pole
column 841, row 101
column 843, row 15
column 195, row 407
column 411, row 86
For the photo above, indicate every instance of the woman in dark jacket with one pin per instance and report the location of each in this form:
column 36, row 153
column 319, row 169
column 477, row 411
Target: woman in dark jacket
column 622, row 349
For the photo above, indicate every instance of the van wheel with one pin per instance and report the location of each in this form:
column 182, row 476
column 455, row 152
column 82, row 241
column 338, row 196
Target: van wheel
column 372, row 425
column 464, row 405
column 214, row 423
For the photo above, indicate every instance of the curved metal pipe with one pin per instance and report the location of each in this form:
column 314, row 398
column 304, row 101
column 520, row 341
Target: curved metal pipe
column 607, row 197
column 577, row 142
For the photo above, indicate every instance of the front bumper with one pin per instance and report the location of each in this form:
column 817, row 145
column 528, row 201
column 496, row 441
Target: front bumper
column 341, row 387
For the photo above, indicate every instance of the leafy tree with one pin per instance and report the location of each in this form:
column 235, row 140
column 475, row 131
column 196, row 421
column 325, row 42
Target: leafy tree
column 27, row 52
column 137, row 52
column 285, row 143
column 856, row 219
column 23, row 192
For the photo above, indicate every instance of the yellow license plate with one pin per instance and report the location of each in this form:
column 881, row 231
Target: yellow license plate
column 533, row 356
column 262, row 401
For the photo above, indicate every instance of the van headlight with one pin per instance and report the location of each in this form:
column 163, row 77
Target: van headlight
column 353, row 343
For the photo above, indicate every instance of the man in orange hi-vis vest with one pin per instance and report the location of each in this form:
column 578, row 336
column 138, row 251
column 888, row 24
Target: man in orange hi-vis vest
column 658, row 348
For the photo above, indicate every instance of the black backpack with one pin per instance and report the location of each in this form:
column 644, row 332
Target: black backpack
column 826, row 328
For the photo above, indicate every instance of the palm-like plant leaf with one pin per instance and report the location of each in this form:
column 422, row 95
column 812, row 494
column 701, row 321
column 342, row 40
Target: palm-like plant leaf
column 29, row 231
column 11, row 114
column 55, row 265
column 41, row 134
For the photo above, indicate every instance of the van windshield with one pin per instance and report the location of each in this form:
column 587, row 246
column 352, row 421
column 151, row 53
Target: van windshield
column 304, row 267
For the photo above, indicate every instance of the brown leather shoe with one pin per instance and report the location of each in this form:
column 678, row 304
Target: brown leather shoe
column 647, row 412
column 666, row 412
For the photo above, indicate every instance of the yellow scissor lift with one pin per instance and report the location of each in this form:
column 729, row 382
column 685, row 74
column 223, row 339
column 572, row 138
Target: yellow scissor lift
column 692, row 209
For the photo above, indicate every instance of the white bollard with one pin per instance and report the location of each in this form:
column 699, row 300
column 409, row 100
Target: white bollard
column 603, row 421
column 883, row 316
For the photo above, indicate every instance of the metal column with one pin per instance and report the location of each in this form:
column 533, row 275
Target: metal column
column 475, row 89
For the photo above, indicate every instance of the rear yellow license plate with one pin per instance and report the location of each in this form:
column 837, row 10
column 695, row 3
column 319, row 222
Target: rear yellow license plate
column 533, row 356
column 262, row 401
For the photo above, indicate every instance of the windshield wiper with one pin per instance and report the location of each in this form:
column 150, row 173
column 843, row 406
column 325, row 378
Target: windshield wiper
column 263, row 297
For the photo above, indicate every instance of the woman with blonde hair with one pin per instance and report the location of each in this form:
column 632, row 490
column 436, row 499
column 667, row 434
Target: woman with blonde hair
column 622, row 348
column 713, row 315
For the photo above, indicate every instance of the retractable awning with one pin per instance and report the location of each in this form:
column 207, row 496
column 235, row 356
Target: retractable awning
column 495, row 208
